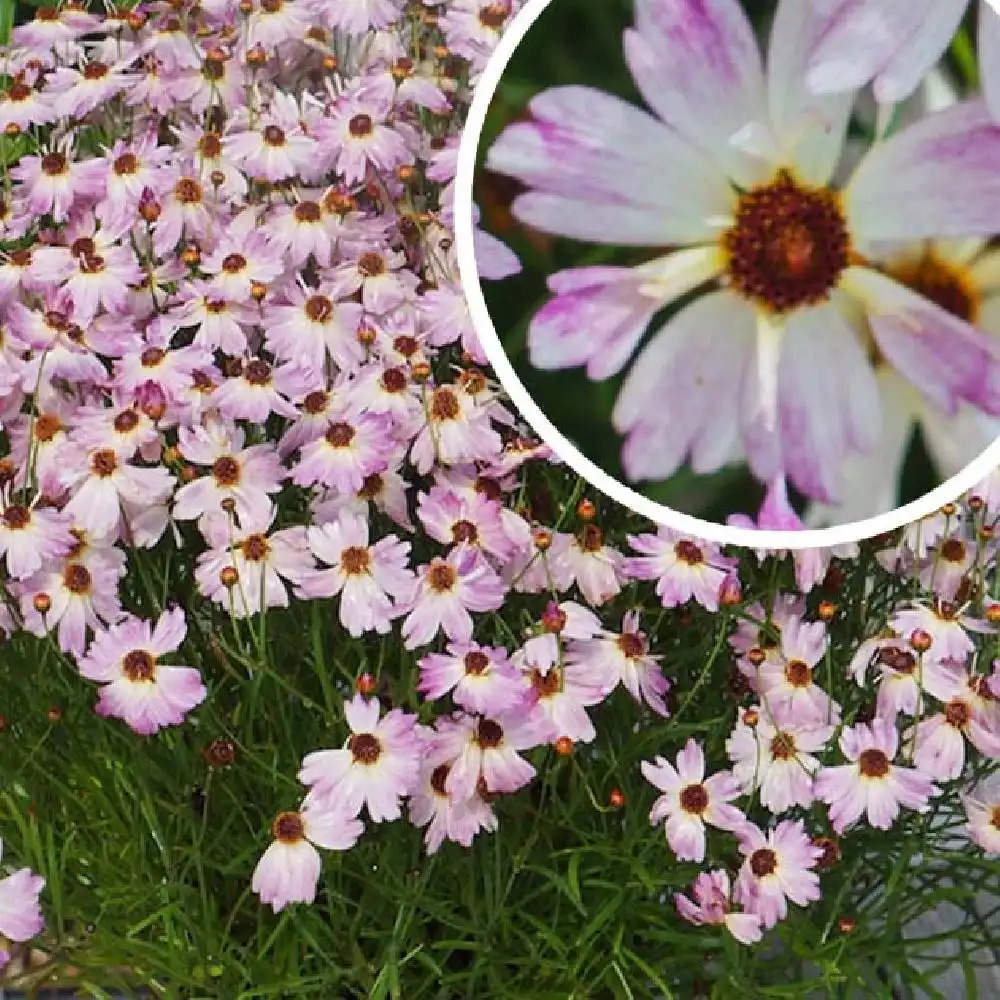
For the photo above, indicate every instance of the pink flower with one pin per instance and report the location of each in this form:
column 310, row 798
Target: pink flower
column 690, row 801
column 457, row 431
column 145, row 693
column 312, row 326
column 351, row 449
column 446, row 816
column 480, row 678
column 773, row 751
column 31, row 536
column 982, row 809
column 949, row 639
column 778, row 867
column 624, row 658
column 682, row 567
column 365, row 575
column 54, row 182
column 787, row 683
column 711, row 906
column 871, row 783
column 484, row 751
column 289, row 870
column 20, row 913
column 584, row 559
column 472, row 520
column 445, row 592
column 378, row 764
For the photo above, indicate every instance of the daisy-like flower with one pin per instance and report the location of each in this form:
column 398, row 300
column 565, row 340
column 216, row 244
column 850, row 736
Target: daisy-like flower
column 312, row 326
column 445, row 815
column 54, row 181
column 246, row 567
column 736, row 173
column 350, row 449
column 472, row 520
column 690, row 801
column 368, row 577
column 682, row 567
column 485, row 750
column 773, row 751
column 969, row 712
column 20, row 913
column 288, row 871
column 982, row 809
column 458, row 430
column 949, row 638
column 624, row 658
column 377, row 766
column 787, row 681
column 778, row 866
column 480, row 678
column 240, row 478
column 357, row 137
column 446, row 590
column 871, row 783
column 31, row 536
column 584, row 559
column 711, row 905
column 276, row 147
column 137, row 688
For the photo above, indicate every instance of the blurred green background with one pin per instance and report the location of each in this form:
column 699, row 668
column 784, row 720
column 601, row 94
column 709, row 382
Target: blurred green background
column 579, row 42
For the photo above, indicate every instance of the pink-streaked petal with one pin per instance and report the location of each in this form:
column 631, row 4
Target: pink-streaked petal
column 682, row 394
column 809, row 127
column 698, row 66
column 938, row 178
column 828, row 399
column 691, row 763
column 589, row 147
column 861, row 38
column 945, row 358
column 494, row 260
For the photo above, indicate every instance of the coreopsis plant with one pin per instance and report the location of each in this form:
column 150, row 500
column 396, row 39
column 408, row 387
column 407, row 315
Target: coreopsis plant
column 319, row 675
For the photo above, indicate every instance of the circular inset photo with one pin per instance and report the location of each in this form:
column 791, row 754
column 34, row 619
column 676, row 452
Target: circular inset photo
column 738, row 259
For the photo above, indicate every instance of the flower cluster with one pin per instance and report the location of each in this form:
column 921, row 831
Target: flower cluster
column 827, row 294
column 236, row 360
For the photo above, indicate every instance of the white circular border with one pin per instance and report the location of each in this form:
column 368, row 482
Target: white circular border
column 723, row 534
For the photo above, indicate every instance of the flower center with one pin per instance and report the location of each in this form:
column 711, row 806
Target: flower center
column 365, row 748
column 489, row 735
column 783, row 746
column 340, row 435
column 444, row 405
column 188, row 191
column 371, row 265
column 763, row 862
column 873, row 764
column 226, row 471
column 464, row 531
column 688, row 552
column 789, row 244
column 957, row 714
column 16, row 517
column 258, row 372
column 591, row 539
column 494, row 15
column 798, row 673
column 355, row 560
column 307, row 211
column 274, row 136
column 126, row 421
column 47, row 426
column 234, row 263
column 139, row 665
column 694, row 799
column 255, row 548
column 394, row 380
column 288, row 828
column 548, row 684
column 476, row 663
column 953, row 550
column 995, row 817
column 318, row 308
column 360, row 126
column 441, row 577
column 76, row 579
column 438, row 777
column 900, row 660
column 631, row 645
column 316, row 402
column 54, row 164
column 104, row 463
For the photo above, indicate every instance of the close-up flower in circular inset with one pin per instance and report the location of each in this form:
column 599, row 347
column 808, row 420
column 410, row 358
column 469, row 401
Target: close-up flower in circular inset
column 781, row 287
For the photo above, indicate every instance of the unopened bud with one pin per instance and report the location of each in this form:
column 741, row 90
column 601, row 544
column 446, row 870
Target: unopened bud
column 542, row 538
column 731, row 592
column 921, row 640
column 617, row 798
column 41, row 603
column 586, row 510
column 563, row 746
column 826, row 610
column 756, row 656
column 228, row 577
column 365, row 684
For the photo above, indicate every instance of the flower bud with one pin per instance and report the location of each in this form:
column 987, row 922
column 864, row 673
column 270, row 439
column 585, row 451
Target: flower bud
column 731, row 592
column 756, row 656
column 586, row 510
column 921, row 640
column 365, row 684
column 826, row 610
column 616, row 799
column 228, row 577
column 563, row 746
column 41, row 603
